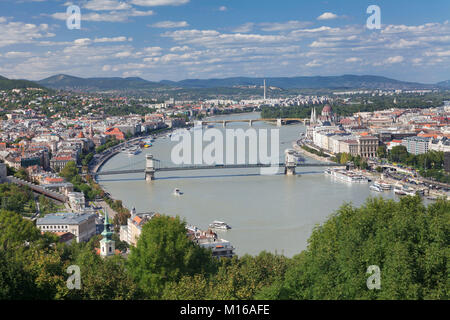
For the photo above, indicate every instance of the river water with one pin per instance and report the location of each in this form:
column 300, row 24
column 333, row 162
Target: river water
column 276, row 213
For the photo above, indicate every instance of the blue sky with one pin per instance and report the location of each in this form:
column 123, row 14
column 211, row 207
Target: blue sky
column 179, row 39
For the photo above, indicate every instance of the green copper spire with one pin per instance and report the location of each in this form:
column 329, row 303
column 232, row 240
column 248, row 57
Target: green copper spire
column 107, row 233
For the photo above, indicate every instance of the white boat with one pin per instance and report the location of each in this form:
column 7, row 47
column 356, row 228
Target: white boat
column 133, row 151
column 219, row 225
column 404, row 190
column 177, row 192
column 383, row 185
column 375, row 188
column 348, row 176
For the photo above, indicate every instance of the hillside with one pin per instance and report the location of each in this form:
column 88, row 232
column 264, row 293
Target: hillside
column 66, row 82
column 315, row 82
column 444, row 84
column 6, row 84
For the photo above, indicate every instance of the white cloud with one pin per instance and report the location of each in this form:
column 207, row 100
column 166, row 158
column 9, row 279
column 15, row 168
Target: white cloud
column 112, row 16
column 289, row 25
column 123, row 54
column 223, row 8
column 438, row 53
column 154, row 3
column 82, row 42
column 246, row 27
column 19, row 32
column 327, row 16
column 314, row 63
column 170, row 24
column 106, row 5
column 390, row 60
column 353, row 59
column 402, row 43
column 396, row 59
column 114, row 39
column 17, row 54
column 179, row 49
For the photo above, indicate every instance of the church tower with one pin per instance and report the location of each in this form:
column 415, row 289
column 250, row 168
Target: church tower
column 107, row 245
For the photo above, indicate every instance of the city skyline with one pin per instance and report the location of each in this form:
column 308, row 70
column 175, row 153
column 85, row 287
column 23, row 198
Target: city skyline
column 180, row 39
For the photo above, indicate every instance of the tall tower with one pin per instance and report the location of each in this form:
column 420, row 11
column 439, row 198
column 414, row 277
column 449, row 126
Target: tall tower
column 107, row 245
column 91, row 131
column 265, row 89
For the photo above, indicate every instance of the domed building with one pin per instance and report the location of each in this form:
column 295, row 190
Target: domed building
column 327, row 115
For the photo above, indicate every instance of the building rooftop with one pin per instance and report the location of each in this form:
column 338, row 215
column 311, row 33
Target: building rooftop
column 67, row 218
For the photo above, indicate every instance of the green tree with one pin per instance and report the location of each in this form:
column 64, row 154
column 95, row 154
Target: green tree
column 70, row 171
column 237, row 278
column 101, row 279
column 398, row 154
column 165, row 254
column 408, row 241
column 345, row 157
column 22, row 173
column 381, row 152
column 16, row 231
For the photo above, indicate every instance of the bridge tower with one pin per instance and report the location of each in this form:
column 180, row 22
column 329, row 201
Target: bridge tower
column 290, row 162
column 279, row 122
column 149, row 168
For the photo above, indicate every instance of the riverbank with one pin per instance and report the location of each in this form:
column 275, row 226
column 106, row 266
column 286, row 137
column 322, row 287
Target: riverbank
column 309, row 154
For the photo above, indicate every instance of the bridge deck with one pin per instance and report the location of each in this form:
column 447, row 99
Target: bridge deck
column 220, row 166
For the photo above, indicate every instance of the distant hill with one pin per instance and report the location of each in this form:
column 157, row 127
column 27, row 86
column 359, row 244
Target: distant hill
column 6, row 84
column 66, row 82
column 444, row 84
column 314, row 82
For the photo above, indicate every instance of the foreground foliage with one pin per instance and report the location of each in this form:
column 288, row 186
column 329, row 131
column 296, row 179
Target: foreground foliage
column 408, row 241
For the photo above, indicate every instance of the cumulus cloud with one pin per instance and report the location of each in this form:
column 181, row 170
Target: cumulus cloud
column 246, row 27
column 112, row 16
column 353, row 59
column 327, row 16
column 154, row 3
column 106, row 5
column 19, row 32
column 170, row 24
column 281, row 26
column 314, row 63
column 17, row 54
column 396, row 59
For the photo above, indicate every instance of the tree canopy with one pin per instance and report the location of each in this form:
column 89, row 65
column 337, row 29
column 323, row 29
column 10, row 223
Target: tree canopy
column 164, row 253
column 408, row 241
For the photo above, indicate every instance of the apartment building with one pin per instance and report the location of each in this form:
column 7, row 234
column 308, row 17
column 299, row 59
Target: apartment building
column 81, row 225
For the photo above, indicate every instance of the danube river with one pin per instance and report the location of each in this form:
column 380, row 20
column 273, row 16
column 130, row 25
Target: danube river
column 276, row 213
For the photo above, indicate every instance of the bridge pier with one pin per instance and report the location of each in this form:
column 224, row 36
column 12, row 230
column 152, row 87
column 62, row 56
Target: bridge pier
column 279, row 122
column 224, row 123
column 149, row 168
column 290, row 163
column 250, row 123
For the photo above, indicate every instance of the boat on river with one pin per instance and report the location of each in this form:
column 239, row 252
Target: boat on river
column 375, row 188
column 219, row 225
column 177, row 192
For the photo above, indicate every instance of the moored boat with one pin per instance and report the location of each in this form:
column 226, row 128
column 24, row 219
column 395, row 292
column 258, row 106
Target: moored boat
column 219, row 225
column 375, row 188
